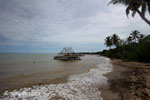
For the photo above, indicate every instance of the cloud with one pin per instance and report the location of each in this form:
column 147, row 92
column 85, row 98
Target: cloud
column 56, row 23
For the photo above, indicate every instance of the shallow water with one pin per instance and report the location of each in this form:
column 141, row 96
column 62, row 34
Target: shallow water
column 84, row 76
column 25, row 64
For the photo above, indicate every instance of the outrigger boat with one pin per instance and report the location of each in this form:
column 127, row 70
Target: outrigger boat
column 67, row 54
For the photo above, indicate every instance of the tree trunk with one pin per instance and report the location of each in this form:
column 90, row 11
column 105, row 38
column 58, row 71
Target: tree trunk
column 143, row 17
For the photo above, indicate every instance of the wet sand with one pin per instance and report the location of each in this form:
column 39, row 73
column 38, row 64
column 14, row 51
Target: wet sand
column 128, row 81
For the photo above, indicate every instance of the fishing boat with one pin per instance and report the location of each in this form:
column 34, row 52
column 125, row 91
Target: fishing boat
column 67, row 54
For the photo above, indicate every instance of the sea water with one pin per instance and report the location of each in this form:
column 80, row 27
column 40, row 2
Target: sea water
column 82, row 84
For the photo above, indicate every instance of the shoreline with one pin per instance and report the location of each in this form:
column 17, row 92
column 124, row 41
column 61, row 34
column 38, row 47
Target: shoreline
column 85, row 83
column 59, row 80
column 31, row 84
column 127, row 81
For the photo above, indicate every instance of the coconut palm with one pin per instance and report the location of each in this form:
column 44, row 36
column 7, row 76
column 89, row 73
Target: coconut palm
column 115, row 39
column 135, row 35
column 122, row 42
column 141, row 37
column 108, row 41
column 129, row 39
column 135, row 6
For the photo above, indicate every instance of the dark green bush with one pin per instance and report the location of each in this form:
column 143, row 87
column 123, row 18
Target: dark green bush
column 132, row 52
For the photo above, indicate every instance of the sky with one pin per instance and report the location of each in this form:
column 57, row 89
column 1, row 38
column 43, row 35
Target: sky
column 46, row 26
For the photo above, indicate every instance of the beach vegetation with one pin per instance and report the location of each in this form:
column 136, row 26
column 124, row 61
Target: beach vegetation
column 136, row 47
column 112, row 40
column 108, row 41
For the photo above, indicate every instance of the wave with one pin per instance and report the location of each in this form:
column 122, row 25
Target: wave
column 79, row 87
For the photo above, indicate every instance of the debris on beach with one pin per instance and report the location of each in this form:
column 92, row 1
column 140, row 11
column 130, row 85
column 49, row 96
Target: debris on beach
column 133, row 85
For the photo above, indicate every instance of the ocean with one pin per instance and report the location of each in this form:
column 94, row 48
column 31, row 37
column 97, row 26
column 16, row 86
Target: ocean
column 40, row 77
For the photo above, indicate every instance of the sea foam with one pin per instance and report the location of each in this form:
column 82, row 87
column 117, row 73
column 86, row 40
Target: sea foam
column 79, row 87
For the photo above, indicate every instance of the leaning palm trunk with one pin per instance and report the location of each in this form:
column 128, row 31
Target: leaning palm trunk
column 143, row 17
column 134, row 6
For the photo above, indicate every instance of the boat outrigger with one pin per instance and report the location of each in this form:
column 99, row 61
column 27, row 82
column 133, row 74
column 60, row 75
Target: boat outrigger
column 67, row 54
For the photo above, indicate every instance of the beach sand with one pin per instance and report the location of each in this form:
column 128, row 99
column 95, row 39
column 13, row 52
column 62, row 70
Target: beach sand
column 128, row 81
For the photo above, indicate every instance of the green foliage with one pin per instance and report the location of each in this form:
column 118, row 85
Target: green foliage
column 112, row 40
column 144, row 49
column 108, row 41
column 134, row 35
column 131, row 50
column 115, row 39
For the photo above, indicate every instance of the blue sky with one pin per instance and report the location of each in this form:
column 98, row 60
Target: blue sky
column 46, row 26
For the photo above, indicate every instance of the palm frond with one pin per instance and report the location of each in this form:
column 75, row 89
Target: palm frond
column 139, row 6
column 148, row 4
column 127, row 10
column 133, row 13
column 124, row 2
column 112, row 2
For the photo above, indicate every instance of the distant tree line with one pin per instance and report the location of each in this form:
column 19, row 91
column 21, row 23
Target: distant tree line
column 136, row 47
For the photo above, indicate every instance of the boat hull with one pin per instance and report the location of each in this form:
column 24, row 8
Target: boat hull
column 67, row 58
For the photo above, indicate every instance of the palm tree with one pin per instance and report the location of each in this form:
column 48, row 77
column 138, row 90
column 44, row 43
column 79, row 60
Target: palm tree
column 135, row 6
column 135, row 35
column 141, row 37
column 108, row 41
column 129, row 39
column 122, row 42
column 115, row 39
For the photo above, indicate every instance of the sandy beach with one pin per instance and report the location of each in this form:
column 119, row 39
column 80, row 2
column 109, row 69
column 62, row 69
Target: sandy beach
column 128, row 81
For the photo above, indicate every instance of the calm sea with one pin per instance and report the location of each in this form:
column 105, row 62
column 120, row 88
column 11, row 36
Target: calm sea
column 18, row 70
